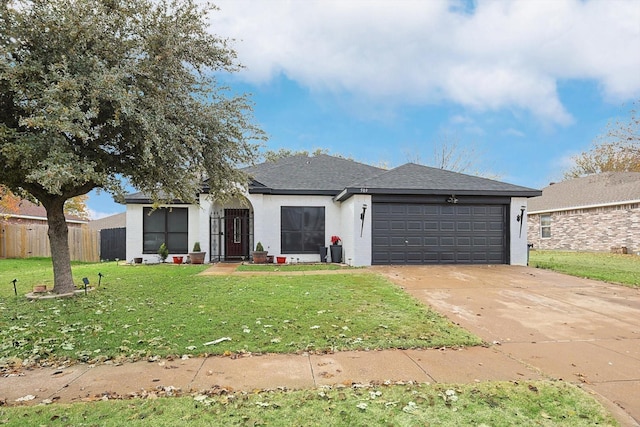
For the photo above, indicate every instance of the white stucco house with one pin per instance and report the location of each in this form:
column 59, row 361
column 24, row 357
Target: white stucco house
column 411, row 214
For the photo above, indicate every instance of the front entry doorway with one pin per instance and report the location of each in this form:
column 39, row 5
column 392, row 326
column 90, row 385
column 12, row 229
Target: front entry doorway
column 236, row 235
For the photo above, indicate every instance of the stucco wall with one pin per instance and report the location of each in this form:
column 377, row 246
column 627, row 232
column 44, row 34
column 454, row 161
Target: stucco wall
column 134, row 231
column 266, row 223
column 595, row 229
column 518, row 240
column 357, row 248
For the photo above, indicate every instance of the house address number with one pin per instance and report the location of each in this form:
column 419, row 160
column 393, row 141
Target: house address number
column 364, row 190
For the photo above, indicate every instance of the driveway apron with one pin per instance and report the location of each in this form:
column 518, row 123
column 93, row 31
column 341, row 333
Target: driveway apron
column 578, row 330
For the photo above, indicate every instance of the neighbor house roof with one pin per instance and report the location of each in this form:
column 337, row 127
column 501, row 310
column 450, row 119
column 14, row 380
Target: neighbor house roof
column 32, row 211
column 605, row 189
column 112, row 221
column 411, row 178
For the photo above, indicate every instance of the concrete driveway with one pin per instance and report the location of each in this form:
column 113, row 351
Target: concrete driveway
column 577, row 330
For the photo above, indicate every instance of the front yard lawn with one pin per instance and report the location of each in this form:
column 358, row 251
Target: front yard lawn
column 161, row 310
column 541, row 403
column 613, row 268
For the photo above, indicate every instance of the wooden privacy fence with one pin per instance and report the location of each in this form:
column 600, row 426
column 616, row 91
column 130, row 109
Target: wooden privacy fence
column 31, row 240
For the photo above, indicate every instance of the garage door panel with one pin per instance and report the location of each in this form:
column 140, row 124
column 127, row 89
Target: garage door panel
column 398, row 225
column 414, row 210
column 447, row 210
column 414, row 226
column 463, row 226
column 463, row 242
column 447, row 226
column 447, row 241
column 381, row 225
column 381, row 241
column 480, row 226
column 398, row 209
column 431, row 241
column 414, row 241
column 495, row 226
column 438, row 234
column 396, row 241
column 463, row 257
column 431, row 225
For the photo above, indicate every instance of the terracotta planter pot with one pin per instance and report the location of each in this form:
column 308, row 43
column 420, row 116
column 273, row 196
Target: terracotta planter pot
column 259, row 257
column 197, row 257
column 177, row 259
column 281, row 259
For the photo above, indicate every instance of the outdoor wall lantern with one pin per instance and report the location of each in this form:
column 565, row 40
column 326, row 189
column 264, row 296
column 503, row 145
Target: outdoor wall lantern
column 520, row 218
column 362, row 215
column 453, row 199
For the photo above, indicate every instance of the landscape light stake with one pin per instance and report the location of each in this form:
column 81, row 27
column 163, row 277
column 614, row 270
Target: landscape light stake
column 85, row 280
column 15, row 290
column 100, row 275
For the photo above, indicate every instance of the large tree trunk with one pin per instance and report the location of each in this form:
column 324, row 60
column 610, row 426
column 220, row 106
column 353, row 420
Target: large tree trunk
column 59, row 242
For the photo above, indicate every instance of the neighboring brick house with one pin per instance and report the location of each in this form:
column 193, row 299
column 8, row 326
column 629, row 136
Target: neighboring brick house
column 30, row 213
column 594, row 213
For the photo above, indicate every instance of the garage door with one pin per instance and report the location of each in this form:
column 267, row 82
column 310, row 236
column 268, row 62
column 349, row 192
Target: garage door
column 405, row 233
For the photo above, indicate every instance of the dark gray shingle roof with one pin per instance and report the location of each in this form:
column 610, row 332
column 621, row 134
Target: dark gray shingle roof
column 335, row 176
column 426, row 179
column 321, row 174
column 592, row 190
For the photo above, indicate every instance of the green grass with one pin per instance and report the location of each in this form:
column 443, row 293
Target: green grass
column 484, row 404
column 613, row 268
column 291, row 267
column 161, row 310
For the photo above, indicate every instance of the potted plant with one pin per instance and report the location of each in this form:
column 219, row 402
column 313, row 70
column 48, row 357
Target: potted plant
column 197, row 256
column 163, row 252
column 336, row 249
column 259, row 255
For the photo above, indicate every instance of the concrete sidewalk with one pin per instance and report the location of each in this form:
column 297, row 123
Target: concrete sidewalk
column 86, row 383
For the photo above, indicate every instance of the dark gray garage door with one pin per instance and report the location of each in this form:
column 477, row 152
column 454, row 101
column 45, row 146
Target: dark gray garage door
column 405, row 233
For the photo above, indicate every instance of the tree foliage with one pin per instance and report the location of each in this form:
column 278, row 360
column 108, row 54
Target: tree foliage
column 282, row 153
column 450, row 154
column 96, row 91
column 76, row 206
column 617, row 150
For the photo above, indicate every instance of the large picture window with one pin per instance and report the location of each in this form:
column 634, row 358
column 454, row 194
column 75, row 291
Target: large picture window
column 165, row 225
column 545, row 226
column 301, row 229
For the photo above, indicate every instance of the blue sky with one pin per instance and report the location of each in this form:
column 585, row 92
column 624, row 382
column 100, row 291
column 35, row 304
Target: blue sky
column 525, row 85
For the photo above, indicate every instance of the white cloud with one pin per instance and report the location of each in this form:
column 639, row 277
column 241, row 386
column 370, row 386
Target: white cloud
column 505, row 54
column 513, row 132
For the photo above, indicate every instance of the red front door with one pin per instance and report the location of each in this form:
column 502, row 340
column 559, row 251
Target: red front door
column 236, row 233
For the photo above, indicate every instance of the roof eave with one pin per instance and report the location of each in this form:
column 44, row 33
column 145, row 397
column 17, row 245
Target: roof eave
column 350, row 191
column 592, row 206
column 289, row 192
